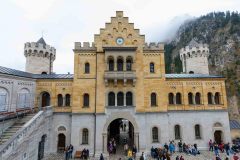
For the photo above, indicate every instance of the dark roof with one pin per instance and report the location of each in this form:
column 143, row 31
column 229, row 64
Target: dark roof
column 42, row 41
column 9, row 71
column 14, row 72
column 53, row 76
column 193, row 43
column 234, row 124
column 192, row 76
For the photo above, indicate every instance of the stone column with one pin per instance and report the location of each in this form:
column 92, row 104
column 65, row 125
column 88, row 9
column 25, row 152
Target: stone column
column 104, row 149
column 136, row 140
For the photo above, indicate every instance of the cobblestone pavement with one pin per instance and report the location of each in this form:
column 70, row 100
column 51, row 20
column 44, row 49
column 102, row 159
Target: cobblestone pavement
column 205, row 155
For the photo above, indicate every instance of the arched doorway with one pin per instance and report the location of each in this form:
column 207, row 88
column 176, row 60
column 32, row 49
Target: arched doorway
column 45, row 99
column 61, row 142
column 122, row 131
column 41, row 147
column 218, row 136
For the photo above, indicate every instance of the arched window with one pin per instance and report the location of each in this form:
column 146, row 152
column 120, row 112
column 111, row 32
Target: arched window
column 191, row 72
column 170, row 98
column 86, row 100
column 3, row 99
column 197, row 131
column 111, row 65
column 44, row 72
column 60, row 100
column 129, row 97
column 129, row 64
column 210, row 100
column 198, row 98
column 68, row 100
column 177, row 132
column 24, row 98
column 178, row 98
column 151, row 66
column 155, row 134
column 190, row 98
column 87, row 68
column 153, row 99
column 120, row 64
column 217, row 98
column 85, row 136
column 120, row 99
column 111, row 99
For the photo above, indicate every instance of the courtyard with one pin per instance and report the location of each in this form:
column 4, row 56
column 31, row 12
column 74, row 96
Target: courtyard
column 205, row 155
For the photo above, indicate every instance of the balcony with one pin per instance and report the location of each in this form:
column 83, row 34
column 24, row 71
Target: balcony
column 120, row 75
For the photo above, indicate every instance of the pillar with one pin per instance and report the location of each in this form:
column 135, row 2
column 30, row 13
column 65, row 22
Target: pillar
column 104, row 149
column 136, row 140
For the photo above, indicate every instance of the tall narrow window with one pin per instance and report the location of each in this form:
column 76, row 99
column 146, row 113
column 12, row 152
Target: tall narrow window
column 111, row 65
column 170, row 98
column 129, row 64
column 198, row 98
column 178, row 98
column 120, row 64
column 197, row 131
column 190, row 98
column 151, row 65
column 217, row 98
column 177, row 132
column 155, row 134
column 210, row 100
column 111, row 99
column 153, row 99
column 85, row 136
column 60, row 100
column 129, row 97
column 86, row 100
column 120, row 99
column 3, row 99
column 68, row 99
column 87, row 68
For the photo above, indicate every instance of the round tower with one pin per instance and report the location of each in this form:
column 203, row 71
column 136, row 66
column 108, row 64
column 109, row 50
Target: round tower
column 194, row 58
column 39, row 57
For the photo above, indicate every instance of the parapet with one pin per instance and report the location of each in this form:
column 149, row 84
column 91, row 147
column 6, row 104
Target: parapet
column 84, row 46
column 153, row 46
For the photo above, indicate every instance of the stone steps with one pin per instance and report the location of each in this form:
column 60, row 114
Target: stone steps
column 14, row 128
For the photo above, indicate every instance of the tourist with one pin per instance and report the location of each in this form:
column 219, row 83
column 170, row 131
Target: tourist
column 166, row 146
column 142, row 156
column 152, row 152
column 235, row 157
column 129, row 154
column 134, row 151
column 181, row 158
column 177, row 158
column 125, row 147
column 180, row 146
column 210, row 143
column 101, row 157
column 70, row 151
column 171, row 148
column 215, row 147
column 66, row 152
column 227, row 148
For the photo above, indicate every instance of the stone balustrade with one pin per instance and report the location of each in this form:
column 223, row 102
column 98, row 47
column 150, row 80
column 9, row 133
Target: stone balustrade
column 16, row 140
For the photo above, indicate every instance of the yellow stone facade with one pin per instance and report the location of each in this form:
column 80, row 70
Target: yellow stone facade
column 143, row 84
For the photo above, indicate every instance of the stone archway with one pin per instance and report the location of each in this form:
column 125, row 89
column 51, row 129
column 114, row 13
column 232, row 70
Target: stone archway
column 120, row 115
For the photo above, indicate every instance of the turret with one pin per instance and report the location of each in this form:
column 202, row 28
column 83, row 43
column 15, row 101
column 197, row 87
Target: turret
column 194, row 58
column 39, row 57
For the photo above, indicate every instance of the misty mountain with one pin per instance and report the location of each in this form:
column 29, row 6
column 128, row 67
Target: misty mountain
column 221, row 30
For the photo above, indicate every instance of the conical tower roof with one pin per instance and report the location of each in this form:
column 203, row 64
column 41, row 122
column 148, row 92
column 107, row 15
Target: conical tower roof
column 193, row 43
column 42, row 41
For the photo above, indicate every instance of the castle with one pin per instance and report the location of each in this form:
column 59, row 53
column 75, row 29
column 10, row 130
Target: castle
column 120, row 80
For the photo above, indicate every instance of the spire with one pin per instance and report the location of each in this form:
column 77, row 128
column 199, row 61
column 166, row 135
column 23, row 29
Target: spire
column 193, row 43
column 42, row 41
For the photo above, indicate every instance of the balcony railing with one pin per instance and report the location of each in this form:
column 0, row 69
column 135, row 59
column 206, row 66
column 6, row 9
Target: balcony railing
column 120, row 75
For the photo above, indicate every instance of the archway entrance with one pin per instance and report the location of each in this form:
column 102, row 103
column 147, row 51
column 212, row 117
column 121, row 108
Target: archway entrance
column 218, row 136
column 122, row 132
column 41, row 147
column 45, row 99
column 61, row 142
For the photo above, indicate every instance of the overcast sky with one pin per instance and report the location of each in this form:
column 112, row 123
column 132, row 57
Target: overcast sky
column 64, row 22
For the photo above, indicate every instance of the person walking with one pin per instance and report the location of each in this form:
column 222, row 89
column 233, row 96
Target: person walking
column 180, row 145
column 101, row 157
column 215, row 146
column 227, row 148
column 210, row 144
column 70, row 151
